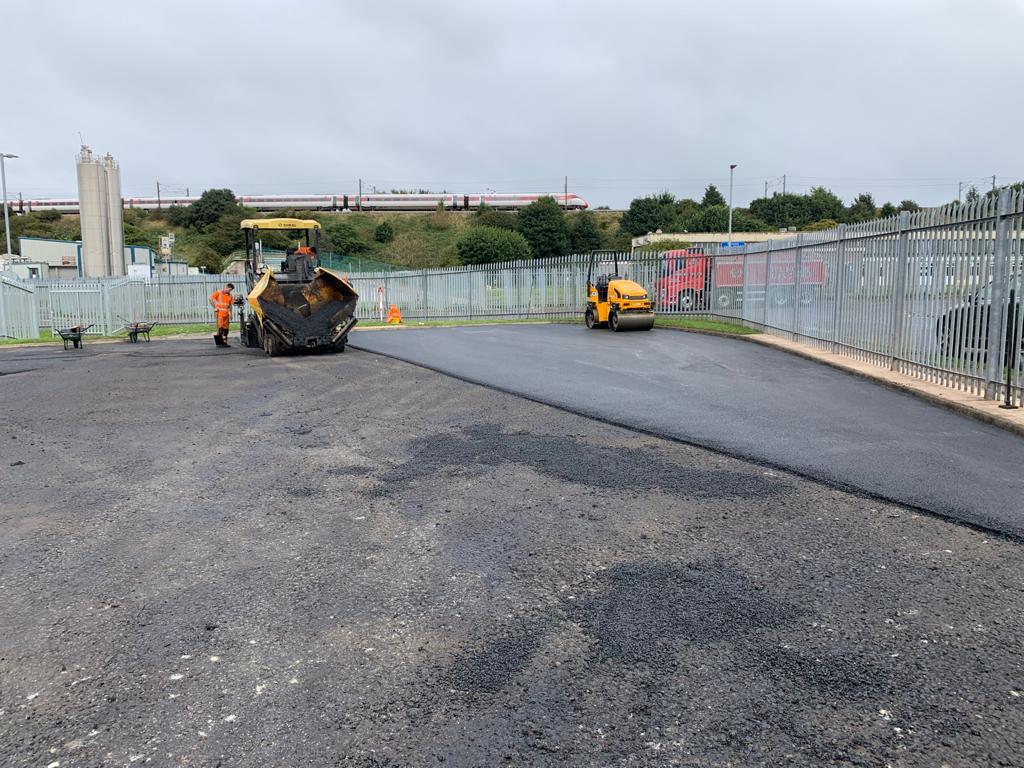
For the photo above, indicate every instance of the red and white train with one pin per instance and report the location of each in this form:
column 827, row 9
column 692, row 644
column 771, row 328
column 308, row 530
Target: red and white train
column 385, row 202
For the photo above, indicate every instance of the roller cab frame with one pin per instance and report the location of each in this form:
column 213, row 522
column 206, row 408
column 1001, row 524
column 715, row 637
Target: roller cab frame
column 302, row 306
column 616, row 303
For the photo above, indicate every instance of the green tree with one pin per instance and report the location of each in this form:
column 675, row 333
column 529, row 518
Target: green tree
column 210, row 206
column 909, row 205
column 543, row 225
column 887, row 210
column 686, row 210
column 649, row 214
column 862, row 208
column 716, row 219
column 712, row 197
column 585, row 235
column 482, row 245
column 789, row 210
column 822, row 204
column 178, row 215
column 384, row 232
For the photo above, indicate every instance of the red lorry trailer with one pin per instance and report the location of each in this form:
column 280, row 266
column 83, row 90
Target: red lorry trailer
column 690, row 279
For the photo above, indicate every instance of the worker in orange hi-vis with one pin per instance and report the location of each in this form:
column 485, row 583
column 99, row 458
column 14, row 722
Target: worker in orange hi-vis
column 220, row 300
column 394, row 316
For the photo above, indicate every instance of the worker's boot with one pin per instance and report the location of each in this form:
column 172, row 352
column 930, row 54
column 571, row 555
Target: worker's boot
column 218, row 340
column 224, row 340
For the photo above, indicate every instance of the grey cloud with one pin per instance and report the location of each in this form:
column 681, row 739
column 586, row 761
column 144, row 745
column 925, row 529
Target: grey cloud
column 901, row 99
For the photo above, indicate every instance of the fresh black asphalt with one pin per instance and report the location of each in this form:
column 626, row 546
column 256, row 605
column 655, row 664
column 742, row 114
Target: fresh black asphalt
column 746, row 400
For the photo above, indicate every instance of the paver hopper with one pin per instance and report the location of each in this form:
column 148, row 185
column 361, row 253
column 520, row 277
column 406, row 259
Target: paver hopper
column 301, row 306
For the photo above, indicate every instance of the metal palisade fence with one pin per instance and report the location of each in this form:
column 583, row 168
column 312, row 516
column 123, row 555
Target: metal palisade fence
column 934, row 294
column 19, row 315
column 107, row 305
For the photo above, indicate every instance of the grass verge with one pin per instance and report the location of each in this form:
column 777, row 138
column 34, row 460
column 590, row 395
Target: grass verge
column 702, row 324
column 663, row 321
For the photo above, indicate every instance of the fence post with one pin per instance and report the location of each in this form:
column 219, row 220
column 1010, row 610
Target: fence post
column 797, row 263
column 3, row 309
column 517, row 273
column 426, row 296
column 105, row 298
column 470, row 275
column 837, row 302
column 743, row 289
column 900, row 299
column 767, row 283
column 995, row 332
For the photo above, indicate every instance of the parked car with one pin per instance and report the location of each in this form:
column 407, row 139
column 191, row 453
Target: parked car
column 963, row 330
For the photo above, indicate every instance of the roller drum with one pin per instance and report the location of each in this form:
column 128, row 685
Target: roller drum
column 635, row 321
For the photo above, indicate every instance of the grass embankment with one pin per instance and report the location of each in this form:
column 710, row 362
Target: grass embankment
column 421, row 239
column 424, row 240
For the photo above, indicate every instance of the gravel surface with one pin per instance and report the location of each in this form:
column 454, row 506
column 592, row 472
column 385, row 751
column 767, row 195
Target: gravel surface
column 747, row 400
column 351, row 561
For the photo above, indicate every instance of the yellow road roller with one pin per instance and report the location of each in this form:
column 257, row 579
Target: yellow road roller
column 615, row 302
column 301, row 306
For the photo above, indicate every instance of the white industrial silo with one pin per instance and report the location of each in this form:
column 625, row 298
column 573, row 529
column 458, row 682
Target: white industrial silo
column 93, row 214
column 115, row 214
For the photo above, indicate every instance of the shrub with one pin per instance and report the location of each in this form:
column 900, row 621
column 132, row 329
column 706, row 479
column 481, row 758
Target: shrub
column 664, row 245
column 482, row 245
column 486, row 216
column 384, row 233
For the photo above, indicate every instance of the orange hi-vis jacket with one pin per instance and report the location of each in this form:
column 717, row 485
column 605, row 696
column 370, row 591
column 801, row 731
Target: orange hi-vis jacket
column 221, row 302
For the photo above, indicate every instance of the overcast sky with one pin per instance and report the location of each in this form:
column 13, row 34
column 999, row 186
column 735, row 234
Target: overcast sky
column 900, row 98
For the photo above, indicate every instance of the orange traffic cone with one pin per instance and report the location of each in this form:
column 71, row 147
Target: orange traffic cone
column 394, row 316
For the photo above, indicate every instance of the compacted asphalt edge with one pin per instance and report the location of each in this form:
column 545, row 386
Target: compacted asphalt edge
column 826, row 480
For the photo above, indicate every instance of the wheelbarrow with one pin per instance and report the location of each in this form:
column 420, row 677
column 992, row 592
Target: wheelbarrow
column 75, row 334
column 138, row 329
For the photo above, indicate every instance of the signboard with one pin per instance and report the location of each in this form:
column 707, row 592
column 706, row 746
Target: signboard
column 139, row 272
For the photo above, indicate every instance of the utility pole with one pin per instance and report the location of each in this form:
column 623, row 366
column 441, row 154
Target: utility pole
column 993, row 182
column 783, row 183
column 766, row 188
column 565, row 198
column 158, row 195
column 359, row 199
column 731, row 169
column 3, row 182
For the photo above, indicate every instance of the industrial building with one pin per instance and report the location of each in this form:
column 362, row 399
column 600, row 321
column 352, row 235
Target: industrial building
column 45, row 259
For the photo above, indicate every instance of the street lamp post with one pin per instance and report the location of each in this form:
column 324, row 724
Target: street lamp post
column 3, row 183
column 731, row 169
